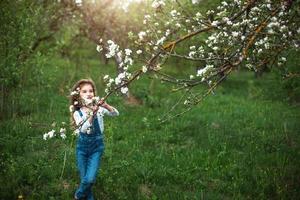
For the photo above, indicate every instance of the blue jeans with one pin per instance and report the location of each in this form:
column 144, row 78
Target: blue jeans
column 88, row 152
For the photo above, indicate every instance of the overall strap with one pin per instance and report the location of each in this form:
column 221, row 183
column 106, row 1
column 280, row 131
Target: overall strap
column 80, row 113
column 96, row 125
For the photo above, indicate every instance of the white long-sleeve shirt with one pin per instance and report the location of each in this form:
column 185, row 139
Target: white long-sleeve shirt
column 87, row 125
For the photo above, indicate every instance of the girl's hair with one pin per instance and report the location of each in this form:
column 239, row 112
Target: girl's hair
column 75, row 100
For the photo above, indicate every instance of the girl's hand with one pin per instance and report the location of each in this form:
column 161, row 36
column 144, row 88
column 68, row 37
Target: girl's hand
column 102, row 103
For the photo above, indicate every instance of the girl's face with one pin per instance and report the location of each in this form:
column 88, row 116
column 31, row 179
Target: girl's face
column 86, row 91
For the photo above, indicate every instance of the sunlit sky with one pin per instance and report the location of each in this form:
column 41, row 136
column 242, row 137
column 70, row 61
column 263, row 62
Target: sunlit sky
column 122, row 3
column 126, row 3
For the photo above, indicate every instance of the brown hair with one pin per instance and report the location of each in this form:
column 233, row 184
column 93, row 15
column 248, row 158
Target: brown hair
column 75, row 97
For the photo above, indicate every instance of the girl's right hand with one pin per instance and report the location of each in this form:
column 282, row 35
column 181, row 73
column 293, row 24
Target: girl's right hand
column 102, row 103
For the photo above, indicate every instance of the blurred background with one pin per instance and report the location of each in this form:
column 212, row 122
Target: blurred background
column 242, row 142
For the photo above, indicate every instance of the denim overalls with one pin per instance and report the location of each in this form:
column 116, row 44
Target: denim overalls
column 88, row 152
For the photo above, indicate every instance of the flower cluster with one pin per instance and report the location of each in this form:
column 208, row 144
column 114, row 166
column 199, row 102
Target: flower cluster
column 238, row 32
column 125, row 61
column 112, row 49
column 158, row 3
column 205, row 71
column 61, row 133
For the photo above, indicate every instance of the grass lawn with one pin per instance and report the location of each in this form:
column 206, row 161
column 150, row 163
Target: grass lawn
column 240, row 143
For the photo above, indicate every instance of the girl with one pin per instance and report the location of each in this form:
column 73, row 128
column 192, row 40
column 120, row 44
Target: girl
column 88, row 117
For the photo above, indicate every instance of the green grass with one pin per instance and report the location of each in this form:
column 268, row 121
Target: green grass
column 239, row 143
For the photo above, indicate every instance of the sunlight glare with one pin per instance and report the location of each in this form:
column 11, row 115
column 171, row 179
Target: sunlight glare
column 125, row 3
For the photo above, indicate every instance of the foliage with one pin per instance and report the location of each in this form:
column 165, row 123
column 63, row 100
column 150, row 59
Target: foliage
column 241, row 142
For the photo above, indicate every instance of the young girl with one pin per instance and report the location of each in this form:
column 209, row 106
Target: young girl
column 88, row 117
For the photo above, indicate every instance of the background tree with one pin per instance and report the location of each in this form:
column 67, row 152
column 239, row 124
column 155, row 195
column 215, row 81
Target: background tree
column 252, row 34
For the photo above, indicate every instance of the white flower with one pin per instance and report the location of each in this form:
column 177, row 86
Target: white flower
column 249, row 66
column 139, row 51
column 124, row 90
column 161, row 41
column 210, row 12
column 144, row 69
column 122, row 75
column 45, row 136
column 74, row 93
column 141, row 35
column 75, row 103
column 62, row 131
column 63, row 136
column 215, row 48
column 112, row 49
column 157, row 67
column 99, row 48
column 51, row 133
column 235, row 34
column 284, row 27
column 76, row 132
column 271, row 31
column 198, row 15
column 201, row 72
column 192, row 53
column 168, row 32
column 173, row 13
column 195, row 1
column 191, row 77
column 105, row 77
column 95, row 99
column 224, row 3
column 117, row 80
column 158, row 3
column 283, row 59
column 128, row 52
column 128, row 60
column 71, row 108
column 192, row 47
column 214, row 23
column 267, row 45
column 78, row 2
column 225, row 19
column 87, row 101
